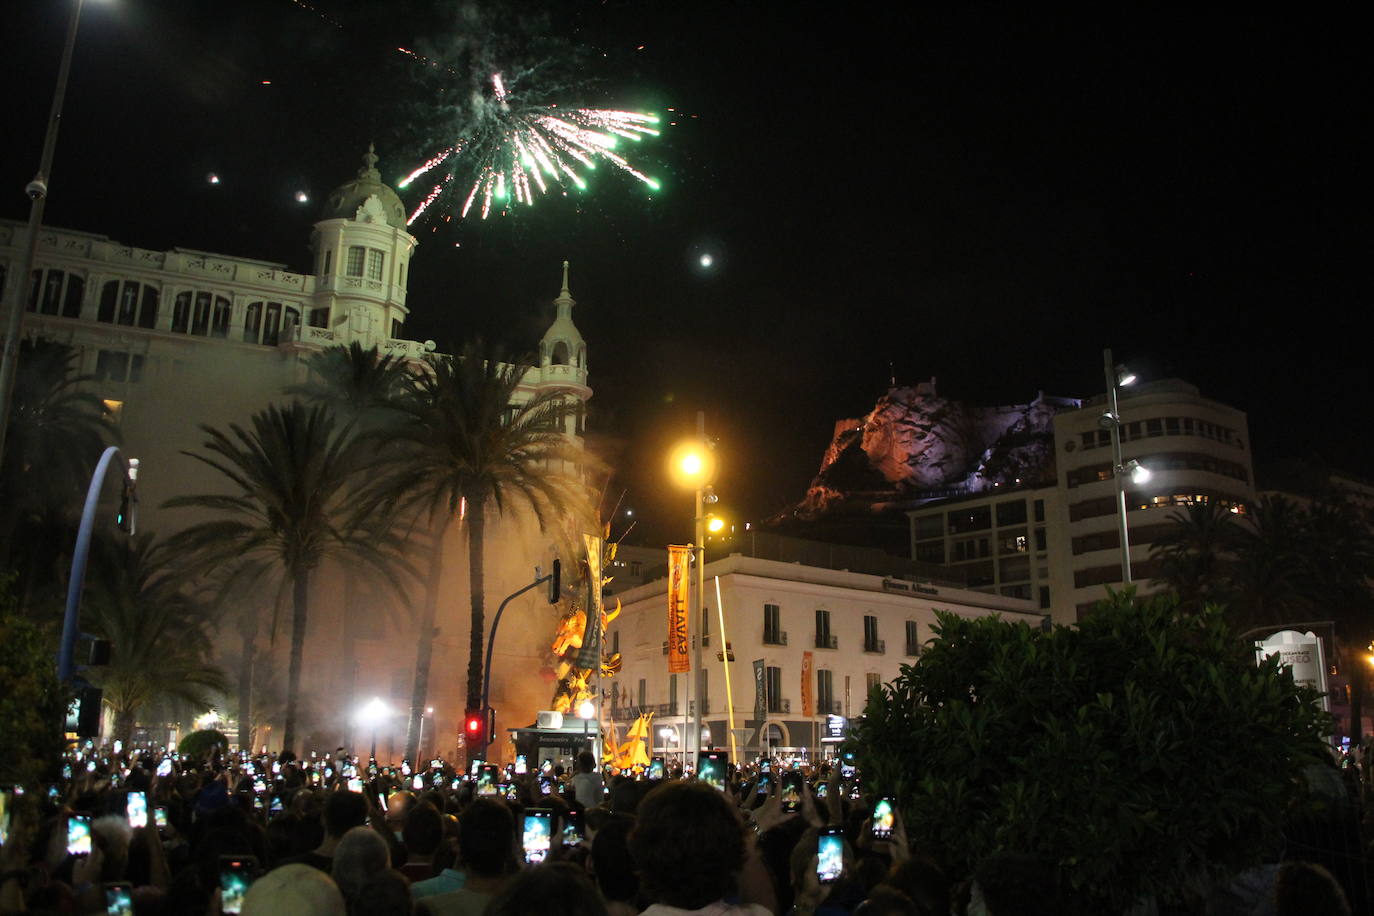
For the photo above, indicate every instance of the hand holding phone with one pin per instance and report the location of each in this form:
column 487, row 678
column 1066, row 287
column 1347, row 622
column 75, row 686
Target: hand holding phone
column 884, row 814
column 78, row 834
column 136, row 809
column 119, row 899
column 829, row 855
column 235, row 875
column 537, row 835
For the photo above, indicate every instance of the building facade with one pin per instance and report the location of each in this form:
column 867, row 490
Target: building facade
column 177, row 339
column 1059, row 546
column 791, row 630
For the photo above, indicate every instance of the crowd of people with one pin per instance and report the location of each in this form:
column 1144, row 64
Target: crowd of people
column 144, row 832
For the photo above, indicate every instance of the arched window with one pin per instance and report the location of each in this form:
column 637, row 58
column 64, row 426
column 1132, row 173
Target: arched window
column 147, row 312
column 560, row 354
column 271, row 326
column 219, row 318
column 252, row 322
column 181, row 312
column 76, row 292
column 109, row 295
column 291, row 319
column 52, row 291
column 200, row 318
column 128, row 303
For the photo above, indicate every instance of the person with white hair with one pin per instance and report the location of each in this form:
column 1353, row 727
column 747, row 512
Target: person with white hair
column 294, row 890
column 361, row 855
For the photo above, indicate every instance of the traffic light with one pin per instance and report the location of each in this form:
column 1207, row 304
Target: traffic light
column 556, row 581
column 127, row 517
column 474, row 726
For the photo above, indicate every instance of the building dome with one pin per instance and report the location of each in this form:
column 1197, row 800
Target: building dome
column 347, row 198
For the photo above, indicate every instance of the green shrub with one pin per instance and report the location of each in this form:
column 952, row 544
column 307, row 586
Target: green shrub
column 1143, row 752
column 202, row 743
column 32, row 701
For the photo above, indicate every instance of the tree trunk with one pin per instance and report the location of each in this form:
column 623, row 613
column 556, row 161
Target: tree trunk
column 477, row 593
column 246, row 659
column 424, row 647
column 124, row 721
column 300, row 597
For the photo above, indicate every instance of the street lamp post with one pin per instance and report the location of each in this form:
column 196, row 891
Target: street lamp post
column 693, row 465
column 37, row 190
column 371, row 716
column 1117, row 377
column 420, row 740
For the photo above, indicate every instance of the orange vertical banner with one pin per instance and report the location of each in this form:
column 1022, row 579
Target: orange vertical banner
column 678, row 643
column 807, row 694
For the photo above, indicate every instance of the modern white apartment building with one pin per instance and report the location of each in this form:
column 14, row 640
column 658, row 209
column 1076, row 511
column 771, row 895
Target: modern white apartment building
column 1059, row 546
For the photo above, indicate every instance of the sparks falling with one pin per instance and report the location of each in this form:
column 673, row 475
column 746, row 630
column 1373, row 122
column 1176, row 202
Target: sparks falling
column 512, row 150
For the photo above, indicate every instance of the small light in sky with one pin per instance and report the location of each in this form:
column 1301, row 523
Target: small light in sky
column 212, row 178
column 629, row 512
column 267, row 82
column 706, row 260
column 302, row 197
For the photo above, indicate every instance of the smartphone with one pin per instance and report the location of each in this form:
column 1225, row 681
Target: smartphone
column 160, row 816
column 822, row 789
column 259, row 786
column 78, row 835
column 165, row 767
column 521, row 765
column 546, row 766
column 405, row 767
column 119, row 747
column 276, row 769
column 476, row 767
column 883, row 814
column 572, row 828
column 536, row 834
column 355, row 784
column 276, row 805
column 765, row 765
column 486, row 779
column 791, row 791
column 417, row 782
column 763, row 783
column 656, row 768
column 712, row 766
column 545, row 785
column 119, row 899
column 235, row 875
column 829, row 855
column 6, row 804
column 136, row 809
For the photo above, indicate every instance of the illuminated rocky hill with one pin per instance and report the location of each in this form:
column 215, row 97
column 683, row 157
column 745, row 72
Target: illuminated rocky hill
column 916, row 445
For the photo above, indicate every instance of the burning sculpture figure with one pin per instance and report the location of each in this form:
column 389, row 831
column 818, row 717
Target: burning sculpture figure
column 572, row 665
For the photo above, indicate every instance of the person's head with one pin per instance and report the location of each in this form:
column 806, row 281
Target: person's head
column 396, row 807
column 1017, row 882
column 611, row 864
column 422, row 831
column 1305, row 887
column 486, row 832
column 293, row 890
column 922, row 882
column 343, row 811
column 387, row 894
column 586, row 762
column 555, row 889
column 362, row 854
column 687, row 816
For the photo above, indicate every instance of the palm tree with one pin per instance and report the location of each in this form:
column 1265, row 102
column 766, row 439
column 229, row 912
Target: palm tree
column 1270, row 577
column 466, row 448
column 160, row 634
column 359, row 384
column 295, row 472
column 56, row 433
column 1194, row 555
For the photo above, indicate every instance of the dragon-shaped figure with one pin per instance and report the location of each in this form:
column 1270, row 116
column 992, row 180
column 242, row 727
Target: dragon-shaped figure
column 567, row 641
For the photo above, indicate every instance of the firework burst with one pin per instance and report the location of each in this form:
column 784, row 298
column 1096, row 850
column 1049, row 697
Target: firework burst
column 513, row 150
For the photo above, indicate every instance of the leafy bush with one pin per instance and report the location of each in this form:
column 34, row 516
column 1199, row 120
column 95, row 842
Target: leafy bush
column 1143, row 752
column 202, row 743
column 32, row 702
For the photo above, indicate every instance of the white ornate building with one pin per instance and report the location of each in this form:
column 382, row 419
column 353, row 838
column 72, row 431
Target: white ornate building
column 182, row 338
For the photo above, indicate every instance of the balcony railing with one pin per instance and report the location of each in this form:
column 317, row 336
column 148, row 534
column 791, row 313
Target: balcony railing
column 705, row 707
column 779, row 705
column 774, row 637
column 667, row 709
column 826, row 641
column 878, row 646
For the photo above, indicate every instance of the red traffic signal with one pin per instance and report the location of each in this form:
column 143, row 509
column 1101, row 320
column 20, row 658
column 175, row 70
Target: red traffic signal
column 474, row 726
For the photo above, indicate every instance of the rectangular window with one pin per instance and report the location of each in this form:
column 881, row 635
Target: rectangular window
column 976, row 518
column 772, row 688
column 932, row 552
column 1011, row 513
column 1039, row 510
column 871, row 642
column 913, row 639
column 1044, row 597
column 375, row 260
column 825, row 691
column 355, row 260
column 772, row 625
column 871, row 680
column 643, row 693
column 328, row 260
column 112, row 366
column 823, row 639
column 672, row 694
column 930, row 526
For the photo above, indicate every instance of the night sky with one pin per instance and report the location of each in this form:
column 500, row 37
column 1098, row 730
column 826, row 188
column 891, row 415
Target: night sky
column 985, row 197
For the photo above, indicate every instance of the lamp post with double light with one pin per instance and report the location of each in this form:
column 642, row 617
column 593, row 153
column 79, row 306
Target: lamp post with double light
column 692, row 464
column 1118, row 377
